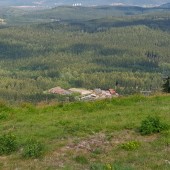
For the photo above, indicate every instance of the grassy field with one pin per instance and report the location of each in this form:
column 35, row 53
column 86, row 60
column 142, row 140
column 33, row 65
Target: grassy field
column 89, row 135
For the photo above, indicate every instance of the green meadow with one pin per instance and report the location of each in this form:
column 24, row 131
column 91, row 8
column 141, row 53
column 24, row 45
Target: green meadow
column 99, row 135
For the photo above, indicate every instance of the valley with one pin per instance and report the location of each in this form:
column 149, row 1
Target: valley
column 80, row 47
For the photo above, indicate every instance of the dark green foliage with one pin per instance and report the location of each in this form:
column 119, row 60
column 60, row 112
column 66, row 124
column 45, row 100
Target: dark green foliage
column 166, row 85
column 33, row 149
column 8, row 144
column 152, row 125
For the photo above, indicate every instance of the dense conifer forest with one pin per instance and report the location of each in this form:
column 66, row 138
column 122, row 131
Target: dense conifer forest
column 127, row 48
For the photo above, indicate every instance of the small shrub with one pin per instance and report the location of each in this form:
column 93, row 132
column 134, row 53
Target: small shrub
column 152, row 125
column 129, row 146
column 8, row 144
column 3, row 116
column 33, row 149
column 81, row 159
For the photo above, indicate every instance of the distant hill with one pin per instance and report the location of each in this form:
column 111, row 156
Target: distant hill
column 70, row 13
column 85, row 13
column 167, row 5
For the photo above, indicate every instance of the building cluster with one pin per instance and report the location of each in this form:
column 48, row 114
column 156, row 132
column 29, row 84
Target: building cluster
column 2, row 21
column 84, row 94
column 77, row 4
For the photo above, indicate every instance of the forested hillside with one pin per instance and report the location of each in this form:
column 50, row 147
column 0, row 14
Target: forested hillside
column 128, row 53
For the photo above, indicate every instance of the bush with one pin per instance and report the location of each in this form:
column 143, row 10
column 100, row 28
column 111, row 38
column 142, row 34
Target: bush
column 33, row 149
column 8, row 144
column 152, row 125
column 132, row 145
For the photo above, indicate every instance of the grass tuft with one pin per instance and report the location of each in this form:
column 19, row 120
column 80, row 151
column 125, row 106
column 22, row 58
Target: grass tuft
column 33, row 149
column 8, row 144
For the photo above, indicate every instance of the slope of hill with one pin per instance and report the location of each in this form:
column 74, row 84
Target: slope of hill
column 20, row 16
column 167, row 5
column 95, row 135
column 68, row 13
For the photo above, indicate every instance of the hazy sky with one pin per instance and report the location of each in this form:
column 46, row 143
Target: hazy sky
column 84, row 2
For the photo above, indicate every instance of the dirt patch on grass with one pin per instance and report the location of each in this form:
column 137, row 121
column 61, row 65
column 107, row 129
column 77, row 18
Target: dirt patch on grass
column 90, row 144
column 103, row 141
column 99, row 144
column 74, row 147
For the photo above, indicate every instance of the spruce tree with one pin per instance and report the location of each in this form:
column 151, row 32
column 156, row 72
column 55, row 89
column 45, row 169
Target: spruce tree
column 166, row 85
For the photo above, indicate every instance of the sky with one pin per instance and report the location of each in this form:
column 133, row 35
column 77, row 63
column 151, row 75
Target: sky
column 83, row 2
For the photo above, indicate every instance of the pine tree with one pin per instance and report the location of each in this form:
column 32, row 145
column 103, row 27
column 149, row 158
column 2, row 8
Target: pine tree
column 166, row 85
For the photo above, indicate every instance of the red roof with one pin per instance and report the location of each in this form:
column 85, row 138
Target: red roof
column 112, row 91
